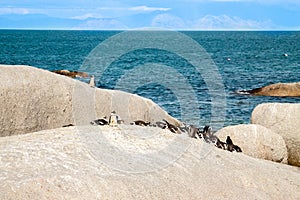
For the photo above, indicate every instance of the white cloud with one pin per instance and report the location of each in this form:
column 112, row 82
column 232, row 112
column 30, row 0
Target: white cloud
column 209, row 22
column 224, row 22
column 88, row 15
column 146, row 8
column 8, row 10
column 115, row 12
column 101, row 24
column 168, row 21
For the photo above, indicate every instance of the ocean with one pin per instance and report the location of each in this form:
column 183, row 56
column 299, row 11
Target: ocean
column 237, row 60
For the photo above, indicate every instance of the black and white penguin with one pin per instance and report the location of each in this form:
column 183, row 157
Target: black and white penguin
column 102, row 121
column 140, row 123
column 206, row 132
column 232, row 147
column 68, row 125
column 220, row 144
column 193, row 131
column 92, row 81
column 161, row 124
column 113, row 119
column 229, row 144
column 183, row 128
column 172, row 127
column 237, row 148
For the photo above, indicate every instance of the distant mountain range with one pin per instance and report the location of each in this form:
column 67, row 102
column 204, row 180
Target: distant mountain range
column 41, row 21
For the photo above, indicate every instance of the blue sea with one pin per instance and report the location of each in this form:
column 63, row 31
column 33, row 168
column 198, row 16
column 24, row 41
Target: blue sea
column 242, row 60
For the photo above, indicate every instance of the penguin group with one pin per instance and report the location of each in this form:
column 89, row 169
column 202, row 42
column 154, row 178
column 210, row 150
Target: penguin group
column 113, row 120
column 192, row 131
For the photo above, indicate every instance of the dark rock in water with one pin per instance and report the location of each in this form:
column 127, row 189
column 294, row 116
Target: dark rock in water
column 71, row 74
column 277, row 90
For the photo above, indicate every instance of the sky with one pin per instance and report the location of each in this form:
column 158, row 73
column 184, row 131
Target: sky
column 136, row 14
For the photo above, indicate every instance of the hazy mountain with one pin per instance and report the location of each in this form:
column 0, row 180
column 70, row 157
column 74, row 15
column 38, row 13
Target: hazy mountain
column 40, row 21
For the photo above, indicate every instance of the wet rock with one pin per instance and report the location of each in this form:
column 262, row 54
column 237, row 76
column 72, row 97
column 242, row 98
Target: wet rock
column 277, row 89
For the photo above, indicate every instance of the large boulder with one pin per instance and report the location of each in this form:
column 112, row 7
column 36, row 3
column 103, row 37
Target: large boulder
column 278, row 90
column 256, row 141
column 131, row 162
column 33, row 99
column 283, row 119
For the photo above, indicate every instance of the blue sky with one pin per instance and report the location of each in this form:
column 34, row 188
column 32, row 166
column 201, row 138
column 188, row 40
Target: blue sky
column 132, row 14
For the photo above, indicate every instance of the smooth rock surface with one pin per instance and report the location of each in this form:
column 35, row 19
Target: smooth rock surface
column 256, row 141
column 283, row 119
column 278, row 90
column 33, row 99
column 75, row 163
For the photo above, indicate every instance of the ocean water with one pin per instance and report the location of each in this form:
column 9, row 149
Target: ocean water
column 243, row 60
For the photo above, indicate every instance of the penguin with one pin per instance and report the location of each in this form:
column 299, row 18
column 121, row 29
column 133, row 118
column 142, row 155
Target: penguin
column 220, row 144
column 237, row 148
column 192, row 131
column 140, row 123
column 113, row 119
column 229, row 144
column 183, row 128
column 68, row 125
column 161, row 124
column 207, row 129
column 206, row 133
column 92, row 81
column 120, row 121
column 101, row 121
column 171, row 127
